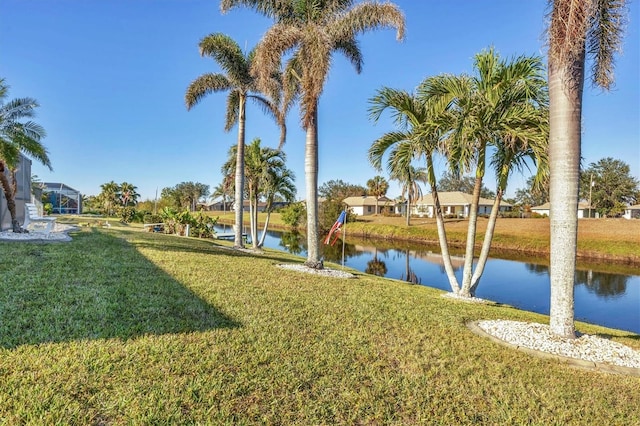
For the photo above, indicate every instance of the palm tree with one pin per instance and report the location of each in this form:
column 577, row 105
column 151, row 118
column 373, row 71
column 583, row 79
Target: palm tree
column 17, row 137
column 223, row 190
column 312, row 30
column 378, row 187
column 260, row 163
column 279, row 181
column 417, row 136
column 409, row 178
column 109, row 196
column 241, row 86
column 577, row 29
column 507, row 157
column 505, row 103
column 128, row 194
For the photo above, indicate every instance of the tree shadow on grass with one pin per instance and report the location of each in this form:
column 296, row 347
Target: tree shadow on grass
column 95, row 287
column 203, row 246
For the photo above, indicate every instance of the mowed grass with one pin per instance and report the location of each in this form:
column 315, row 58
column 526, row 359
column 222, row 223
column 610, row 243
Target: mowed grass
column 125, row 327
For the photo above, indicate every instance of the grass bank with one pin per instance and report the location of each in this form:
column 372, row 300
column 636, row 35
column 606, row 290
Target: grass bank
column 120, row 326
column 603, row 240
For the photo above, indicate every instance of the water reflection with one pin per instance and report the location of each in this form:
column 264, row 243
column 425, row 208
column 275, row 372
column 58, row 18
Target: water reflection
column 292, row 242
column 606, row 298
column 605, row 285
column 601, row 283
column 537, row 269
column 409, row 275
column 376, row 266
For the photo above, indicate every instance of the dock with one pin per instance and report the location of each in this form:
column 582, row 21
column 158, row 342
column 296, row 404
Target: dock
column 229, row 236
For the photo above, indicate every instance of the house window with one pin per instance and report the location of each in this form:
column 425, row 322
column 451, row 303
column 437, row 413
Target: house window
column 368, row 209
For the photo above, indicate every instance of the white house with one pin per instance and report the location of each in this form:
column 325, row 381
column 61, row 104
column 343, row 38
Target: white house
column 632, row 212
column 454, row 203
column 583, row 210
column 364, row 206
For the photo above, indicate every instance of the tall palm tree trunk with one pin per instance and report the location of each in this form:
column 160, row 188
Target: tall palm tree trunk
column 444, row 246
column 311, row 181
column 264, row 229
column 10, row 195
column 471, row 236
column 565, row 109
column 251, row 210
column 237, row 240
column 486, row 244
column 254, row 222
column 442, row 233
column 408, row 210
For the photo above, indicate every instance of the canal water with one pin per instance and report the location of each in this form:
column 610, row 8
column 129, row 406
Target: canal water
column 604, row 295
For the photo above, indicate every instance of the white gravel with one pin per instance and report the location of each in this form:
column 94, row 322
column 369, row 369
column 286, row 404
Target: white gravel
column 539, row 337
column 326, row 272
column 59, row 233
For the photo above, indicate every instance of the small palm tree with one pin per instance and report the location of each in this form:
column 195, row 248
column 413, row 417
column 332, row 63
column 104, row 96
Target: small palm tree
column 110, row 196
column 312, row 31
column 222, row 190
column 128, row 194
column 278, row 182
column 416, row 137
column 17, row 137
column 409, row 178
column 260, row 163
column 378, row 187
column 577, row 29
column 241, row 86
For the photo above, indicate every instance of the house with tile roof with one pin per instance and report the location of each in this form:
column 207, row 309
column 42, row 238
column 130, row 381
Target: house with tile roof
column 454, row 203
column 368, row 205
column 583, row 210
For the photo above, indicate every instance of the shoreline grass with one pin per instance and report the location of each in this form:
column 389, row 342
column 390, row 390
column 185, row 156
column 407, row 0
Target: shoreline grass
column 599, row 240
column 124, row 327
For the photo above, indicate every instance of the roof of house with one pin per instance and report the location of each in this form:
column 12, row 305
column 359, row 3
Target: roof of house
column 59, row 187
column 365, row 201
column 456, row 198
column 634, row 207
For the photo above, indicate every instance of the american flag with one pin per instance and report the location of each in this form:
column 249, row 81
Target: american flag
column 335, row 229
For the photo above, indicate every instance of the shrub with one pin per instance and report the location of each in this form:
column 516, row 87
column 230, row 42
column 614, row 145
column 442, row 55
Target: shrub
column 293, row 214
column 329, row 213
column 151, row 218
column 127, row 214
column 538, row 216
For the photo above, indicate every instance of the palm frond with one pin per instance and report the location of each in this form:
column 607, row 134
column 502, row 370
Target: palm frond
column 227, row 53
column 380, row 146
column 233, row 110
column 277, row 41
column 604, row 39
column 569, row 21
column 204, row 85
column 368, row 16
column 351, row 51
column 9, row 153
column 276, row 9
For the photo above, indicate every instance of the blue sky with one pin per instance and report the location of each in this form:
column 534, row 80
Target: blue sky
column 110, row 76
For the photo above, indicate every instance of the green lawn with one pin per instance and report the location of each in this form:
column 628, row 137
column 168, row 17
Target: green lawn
column 125, row 327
